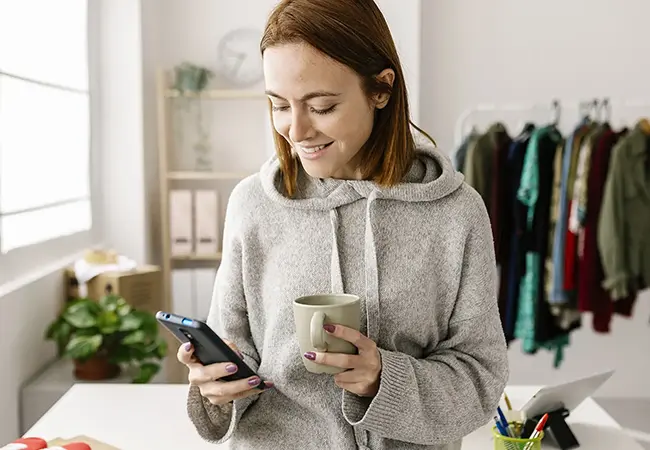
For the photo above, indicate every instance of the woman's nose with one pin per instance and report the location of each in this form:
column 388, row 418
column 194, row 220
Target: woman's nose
column 300, row 129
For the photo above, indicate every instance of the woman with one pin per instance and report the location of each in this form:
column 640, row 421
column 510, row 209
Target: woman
column 351, row 204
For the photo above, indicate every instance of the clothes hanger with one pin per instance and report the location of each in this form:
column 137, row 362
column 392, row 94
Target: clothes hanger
column 557, row 113
column 606, row 107
column 528, row 127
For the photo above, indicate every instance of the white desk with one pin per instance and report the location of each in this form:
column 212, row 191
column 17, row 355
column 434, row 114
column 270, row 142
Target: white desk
column 135, row 417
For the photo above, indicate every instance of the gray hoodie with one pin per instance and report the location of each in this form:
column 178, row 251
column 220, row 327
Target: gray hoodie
column 419, row 254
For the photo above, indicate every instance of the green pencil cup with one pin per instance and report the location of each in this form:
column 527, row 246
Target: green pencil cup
column 507, row 443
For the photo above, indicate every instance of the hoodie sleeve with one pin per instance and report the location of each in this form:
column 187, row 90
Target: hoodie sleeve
column 455, row 389
column 228, row 317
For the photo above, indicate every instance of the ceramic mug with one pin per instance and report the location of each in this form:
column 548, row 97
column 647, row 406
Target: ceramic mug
column 312, row 312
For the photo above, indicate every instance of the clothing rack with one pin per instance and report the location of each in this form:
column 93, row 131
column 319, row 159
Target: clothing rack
column 552, row 109
column 549, row 250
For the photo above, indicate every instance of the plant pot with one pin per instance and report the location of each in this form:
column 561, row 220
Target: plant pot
column 96, row 368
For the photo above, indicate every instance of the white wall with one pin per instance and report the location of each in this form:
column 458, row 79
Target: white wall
column 504, row 51
column 25, row 314
column 120, row 130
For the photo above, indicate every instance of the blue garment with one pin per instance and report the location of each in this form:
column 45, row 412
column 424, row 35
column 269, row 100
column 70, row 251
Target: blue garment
column 558, row 295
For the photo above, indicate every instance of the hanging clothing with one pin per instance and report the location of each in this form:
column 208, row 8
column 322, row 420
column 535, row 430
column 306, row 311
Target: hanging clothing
column 554, row 203
column 479, row 162
column 568, row 313
column 514, row 222
column 592, row 297
column 554, row 214
column 461, row 153
column 498, row 191
column 623, row 232
column 569, row 163
column 535, row 324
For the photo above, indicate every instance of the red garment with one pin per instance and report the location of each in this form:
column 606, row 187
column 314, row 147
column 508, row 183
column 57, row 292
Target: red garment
column 591, row 295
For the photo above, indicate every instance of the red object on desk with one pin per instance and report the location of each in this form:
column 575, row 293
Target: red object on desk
column 31, row 443
column 40, row 444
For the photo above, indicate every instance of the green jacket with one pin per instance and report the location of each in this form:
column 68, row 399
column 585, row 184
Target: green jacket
column 624, row 223
column 479, row 162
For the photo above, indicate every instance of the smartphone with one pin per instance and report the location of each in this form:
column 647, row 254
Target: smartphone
column 208, row 347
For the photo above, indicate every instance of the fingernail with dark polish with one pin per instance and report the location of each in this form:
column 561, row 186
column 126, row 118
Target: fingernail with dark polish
column 231, row 368
column 269, row 384
column 310, row 355
column 329, row 328
column 254, row 382
column 188, row 346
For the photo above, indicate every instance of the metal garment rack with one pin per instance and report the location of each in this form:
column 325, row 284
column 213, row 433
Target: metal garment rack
column 557, row 107
column 553, row 110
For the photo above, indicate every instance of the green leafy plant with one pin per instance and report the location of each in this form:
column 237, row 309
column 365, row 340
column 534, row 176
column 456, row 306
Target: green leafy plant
column 110, row 329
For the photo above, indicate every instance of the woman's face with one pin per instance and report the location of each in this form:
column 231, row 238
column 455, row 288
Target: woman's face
column 320, row 108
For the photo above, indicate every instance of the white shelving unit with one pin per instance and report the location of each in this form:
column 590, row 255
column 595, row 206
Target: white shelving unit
column 169, row 177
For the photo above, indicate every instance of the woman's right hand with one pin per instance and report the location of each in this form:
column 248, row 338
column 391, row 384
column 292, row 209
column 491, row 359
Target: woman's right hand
column 208, row 378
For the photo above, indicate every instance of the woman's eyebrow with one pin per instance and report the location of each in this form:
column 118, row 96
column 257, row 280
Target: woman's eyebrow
column 306, row 97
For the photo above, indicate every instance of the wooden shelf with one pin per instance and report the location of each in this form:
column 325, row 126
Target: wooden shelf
column 216, row 94
column 169, row 177
column 215, row 257
column 189, row 175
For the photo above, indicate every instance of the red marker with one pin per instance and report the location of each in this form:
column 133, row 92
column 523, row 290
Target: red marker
column 538, row 429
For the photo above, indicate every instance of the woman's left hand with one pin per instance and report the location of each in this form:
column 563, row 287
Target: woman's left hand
column 362, row 378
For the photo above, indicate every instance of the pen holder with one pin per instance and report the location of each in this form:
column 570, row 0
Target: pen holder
column 507, row 443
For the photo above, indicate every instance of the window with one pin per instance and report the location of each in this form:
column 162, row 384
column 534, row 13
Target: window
column 45, row 136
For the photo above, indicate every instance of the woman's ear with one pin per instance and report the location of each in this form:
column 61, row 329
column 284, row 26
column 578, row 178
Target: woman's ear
column 386, row 76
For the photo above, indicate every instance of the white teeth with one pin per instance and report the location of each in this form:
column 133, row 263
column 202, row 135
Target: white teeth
column 313, row 149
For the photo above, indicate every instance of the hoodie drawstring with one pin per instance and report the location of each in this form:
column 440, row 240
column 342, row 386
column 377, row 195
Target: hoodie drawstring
column 372, row 273
column 370, row 263
column 335, row 271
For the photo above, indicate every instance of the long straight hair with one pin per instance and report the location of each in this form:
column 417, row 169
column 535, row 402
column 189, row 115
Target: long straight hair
column 354, row 33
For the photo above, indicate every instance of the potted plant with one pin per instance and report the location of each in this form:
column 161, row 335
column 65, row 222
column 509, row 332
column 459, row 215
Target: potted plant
column 190, row 78
column 105, row 337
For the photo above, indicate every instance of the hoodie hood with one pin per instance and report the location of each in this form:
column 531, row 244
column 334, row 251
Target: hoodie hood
column 431, row 177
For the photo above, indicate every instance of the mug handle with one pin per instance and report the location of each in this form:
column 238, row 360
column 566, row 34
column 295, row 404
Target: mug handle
column 317, row 333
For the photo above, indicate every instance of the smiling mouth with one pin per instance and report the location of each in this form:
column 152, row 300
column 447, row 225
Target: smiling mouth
column 311, row 150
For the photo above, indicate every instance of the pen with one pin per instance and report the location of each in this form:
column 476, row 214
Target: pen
column 500, row 427
column 538, row 429
column 508, row 404
column 503, row 432
column 504, row 421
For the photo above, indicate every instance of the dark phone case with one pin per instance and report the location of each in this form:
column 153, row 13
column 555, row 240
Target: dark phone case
column 208, row 347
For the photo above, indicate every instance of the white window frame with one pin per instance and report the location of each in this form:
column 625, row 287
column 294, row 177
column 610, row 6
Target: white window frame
column 22, row 265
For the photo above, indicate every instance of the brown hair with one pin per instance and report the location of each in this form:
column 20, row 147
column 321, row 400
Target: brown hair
column 354, row 33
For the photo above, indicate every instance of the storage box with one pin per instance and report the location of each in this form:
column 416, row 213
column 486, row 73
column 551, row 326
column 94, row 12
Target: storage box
column 141, row 287
column 180, row 222
column 206, row 228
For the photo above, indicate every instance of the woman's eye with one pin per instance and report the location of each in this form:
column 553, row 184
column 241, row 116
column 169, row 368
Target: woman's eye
column 323, row 111
column 275, row 108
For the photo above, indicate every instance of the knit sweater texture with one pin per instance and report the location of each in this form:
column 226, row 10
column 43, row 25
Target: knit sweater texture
column 419, row 254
